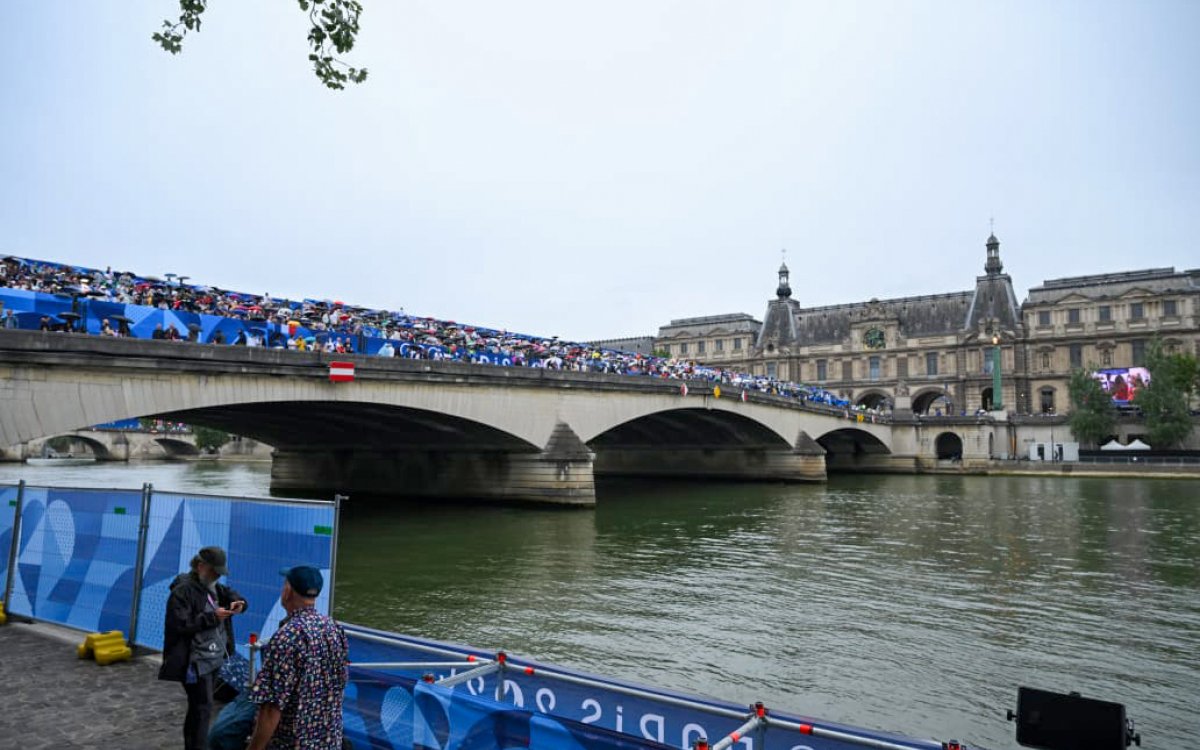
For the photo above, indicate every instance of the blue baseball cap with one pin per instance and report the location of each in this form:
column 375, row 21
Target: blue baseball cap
column 305, row 580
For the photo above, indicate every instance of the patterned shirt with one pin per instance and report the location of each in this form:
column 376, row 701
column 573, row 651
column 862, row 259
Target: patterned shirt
column 304, row 673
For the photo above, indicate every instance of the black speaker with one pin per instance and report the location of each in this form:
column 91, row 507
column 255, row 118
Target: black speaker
column 1058, row 721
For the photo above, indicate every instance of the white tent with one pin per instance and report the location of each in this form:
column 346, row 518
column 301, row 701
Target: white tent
column 1136, row 445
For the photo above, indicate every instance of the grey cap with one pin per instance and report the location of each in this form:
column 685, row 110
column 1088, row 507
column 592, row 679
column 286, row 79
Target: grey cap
column 214, row 556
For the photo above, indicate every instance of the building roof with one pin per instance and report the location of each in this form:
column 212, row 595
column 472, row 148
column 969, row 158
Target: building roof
column 632, row 344
column 1108, row 285
column 708, row 324
column 924, row 315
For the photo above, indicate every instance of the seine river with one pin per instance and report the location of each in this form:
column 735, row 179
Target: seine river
column 915, row 604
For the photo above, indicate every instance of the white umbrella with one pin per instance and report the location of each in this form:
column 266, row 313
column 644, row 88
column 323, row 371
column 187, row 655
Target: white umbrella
column 1115, row 445
column 1137, row 445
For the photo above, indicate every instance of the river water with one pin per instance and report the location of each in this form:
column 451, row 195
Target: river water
column 911, row 603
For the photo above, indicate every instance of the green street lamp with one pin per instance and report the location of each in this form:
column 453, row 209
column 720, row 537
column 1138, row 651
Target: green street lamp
column 997, row 399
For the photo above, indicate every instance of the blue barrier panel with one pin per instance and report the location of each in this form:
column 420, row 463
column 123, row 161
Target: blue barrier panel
column 8, row 511
column 385, row 711
column 76, row 560
column 376, row 704
column 259, row 537
column 24, row 301
column 421, row 715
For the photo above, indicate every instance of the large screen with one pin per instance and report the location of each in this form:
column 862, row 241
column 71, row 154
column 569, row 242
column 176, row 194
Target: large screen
column 1123, row 383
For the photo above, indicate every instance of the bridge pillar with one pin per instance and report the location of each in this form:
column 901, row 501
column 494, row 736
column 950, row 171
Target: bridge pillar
column 559, row 474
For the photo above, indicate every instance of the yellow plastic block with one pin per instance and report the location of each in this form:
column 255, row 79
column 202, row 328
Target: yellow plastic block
column 95, row 642
column 108, row 654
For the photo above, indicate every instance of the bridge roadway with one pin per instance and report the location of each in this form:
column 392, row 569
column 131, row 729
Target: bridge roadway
column 426, row 428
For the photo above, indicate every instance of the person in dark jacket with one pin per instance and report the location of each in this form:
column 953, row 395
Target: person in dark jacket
column 198, row 636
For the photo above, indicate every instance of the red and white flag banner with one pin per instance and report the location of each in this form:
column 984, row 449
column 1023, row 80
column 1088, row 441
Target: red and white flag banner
column 341, row 372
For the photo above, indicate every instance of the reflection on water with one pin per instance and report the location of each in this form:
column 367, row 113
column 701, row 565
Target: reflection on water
column 916, row 604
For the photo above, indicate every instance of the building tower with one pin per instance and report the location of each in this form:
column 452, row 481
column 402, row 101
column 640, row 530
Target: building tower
column 784, row 290
column 993, row 320
column 778, row 334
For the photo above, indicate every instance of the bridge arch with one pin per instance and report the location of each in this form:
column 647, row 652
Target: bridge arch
column 92, row 446
column 690, row 427
column 285, row 424
column 176, row 448
column 949, row 446
column 852, row 441
column 873, row 398
column 931, row 400
column 700, row 441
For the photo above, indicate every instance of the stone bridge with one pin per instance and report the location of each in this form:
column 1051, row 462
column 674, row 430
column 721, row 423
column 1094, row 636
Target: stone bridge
column 131, row 445
column 420, row 428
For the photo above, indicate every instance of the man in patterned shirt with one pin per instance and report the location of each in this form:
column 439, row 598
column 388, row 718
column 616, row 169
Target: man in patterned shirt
column 299, row 690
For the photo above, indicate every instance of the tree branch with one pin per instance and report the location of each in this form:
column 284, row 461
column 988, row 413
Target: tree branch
column 334, row 28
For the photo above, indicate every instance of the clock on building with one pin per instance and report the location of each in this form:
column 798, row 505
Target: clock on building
column 874, row 339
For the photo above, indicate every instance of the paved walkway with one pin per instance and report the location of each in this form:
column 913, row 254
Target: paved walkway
column 52, row 699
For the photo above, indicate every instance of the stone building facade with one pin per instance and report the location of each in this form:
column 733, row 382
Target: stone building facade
column 718, row 340
column 939, row 350
column 1105, row 321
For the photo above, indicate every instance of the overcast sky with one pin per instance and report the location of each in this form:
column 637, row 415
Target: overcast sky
column 593, row 169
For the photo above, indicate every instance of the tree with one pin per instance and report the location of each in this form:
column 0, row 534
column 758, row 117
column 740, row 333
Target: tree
column 334, row 28
column 1093, row 416
column 1165, row 400
column 209, row 440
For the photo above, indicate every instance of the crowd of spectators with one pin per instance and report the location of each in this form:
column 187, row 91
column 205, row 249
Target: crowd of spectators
column 335, row 327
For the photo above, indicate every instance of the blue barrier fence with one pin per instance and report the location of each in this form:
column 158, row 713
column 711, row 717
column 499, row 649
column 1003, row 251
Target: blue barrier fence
column 390, row 705
column 78, row 551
